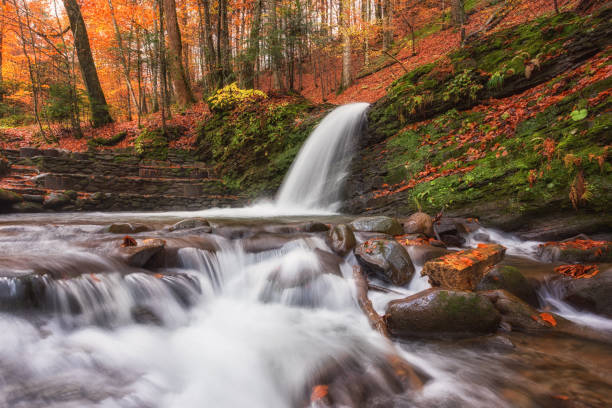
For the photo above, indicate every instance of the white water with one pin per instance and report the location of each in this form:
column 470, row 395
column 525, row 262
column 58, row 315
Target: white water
column 317, row 174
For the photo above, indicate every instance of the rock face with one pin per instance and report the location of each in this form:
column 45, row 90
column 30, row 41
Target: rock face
column 518, row 314
column 463, row 270
column 138, row 256
column 341, row 239
column 419, row 223
column 190, row 224
column 441, row 313
column 510, row 279
column 386, row 225
column 386, row 259
column 593, row 294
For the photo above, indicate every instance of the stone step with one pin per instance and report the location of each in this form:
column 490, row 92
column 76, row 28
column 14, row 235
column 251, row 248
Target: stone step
column 25, row 170
column 122, row 184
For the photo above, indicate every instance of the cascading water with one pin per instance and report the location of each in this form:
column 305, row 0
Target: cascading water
column 317, row 174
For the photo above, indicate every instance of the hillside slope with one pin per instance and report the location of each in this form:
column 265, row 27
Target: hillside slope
column 511, row 129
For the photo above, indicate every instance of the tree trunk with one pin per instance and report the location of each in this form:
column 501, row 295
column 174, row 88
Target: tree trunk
column 344, row 23
column 387, row 27
column 99, row 108
column 250, row 59
column 175, row 53
column 457, row 13
column 275, row 50
column 215, row 78
column 223, row 45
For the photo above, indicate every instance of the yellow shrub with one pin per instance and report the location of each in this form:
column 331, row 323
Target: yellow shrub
column 231, row 96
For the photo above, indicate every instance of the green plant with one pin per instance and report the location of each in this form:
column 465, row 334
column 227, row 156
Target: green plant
column 496, row 81
column 114, row 140
column 462, row 85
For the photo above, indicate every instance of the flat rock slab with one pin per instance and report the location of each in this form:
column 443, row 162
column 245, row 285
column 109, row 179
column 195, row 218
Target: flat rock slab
column 137, row 256
column 439, row 313
column 463, row 270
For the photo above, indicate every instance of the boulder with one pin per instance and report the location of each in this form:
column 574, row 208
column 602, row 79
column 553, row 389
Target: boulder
column 267, row 241
column 340, row 239
column 592, row 294
column 510, row 279
column 126, row 228
column 386, row 259
column 137, row 256
column 386, row 225
column 313, row 226
column 419, row 223
column 463, row 270
column 8, row 198
column 27, row 207
column 576, row 251
column 439, row 313
column 518, row 314
column 56, row 200
column 191, row 223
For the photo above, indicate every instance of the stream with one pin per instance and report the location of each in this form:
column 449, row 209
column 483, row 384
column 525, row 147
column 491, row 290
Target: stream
column 254, row 312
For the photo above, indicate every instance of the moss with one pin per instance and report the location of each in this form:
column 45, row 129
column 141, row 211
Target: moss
column 253, row 147
column 114, row 140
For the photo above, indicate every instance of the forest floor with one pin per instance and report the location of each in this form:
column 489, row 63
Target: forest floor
column 371, row 83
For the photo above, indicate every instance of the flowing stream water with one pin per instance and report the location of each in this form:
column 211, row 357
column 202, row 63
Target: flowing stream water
column 253, row 314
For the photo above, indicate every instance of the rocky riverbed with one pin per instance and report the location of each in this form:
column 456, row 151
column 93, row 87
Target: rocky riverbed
column 185, row 309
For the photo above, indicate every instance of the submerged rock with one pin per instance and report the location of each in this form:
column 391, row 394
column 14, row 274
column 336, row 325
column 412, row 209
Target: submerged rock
column 510, row 279
column 464, row 269
column 126, row 228
column 386, row 225
column 137, row 256
column 341, row 239
column 441, row 313
column 192, row 223
column 386, row 259
column 419, row 223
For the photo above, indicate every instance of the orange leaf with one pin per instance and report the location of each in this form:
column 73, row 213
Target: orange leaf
column 548, row 318
column 94, row 277
column 319, row 392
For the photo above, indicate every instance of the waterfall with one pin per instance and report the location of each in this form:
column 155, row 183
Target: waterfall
column 315, row 178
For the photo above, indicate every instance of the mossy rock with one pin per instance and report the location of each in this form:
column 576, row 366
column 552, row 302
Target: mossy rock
column 509, row 278
column 441, row 313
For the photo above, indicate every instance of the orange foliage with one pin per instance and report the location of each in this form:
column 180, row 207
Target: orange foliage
column 585, row 244
column 578, row 271
column 129, row 242
column 319, row 392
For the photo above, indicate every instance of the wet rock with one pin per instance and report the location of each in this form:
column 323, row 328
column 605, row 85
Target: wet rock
column 191, row 223
column 27, row 207
column 8, row 197
column 592, row 294
column 265, row 241
column 126, row 228
column 34, row 198
column 309, row 266
column 464, row 269
column 510, row 279
column 341, row 239
column 138, row 256
column 386, row 259
column 56, row 200
column 423, row 253
column 419, row 223
column 386, row 225
column 440, row 313
column 329, row 262
column 144, row 315
column 518, row 314
column 313, row 226
column 576, row 251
